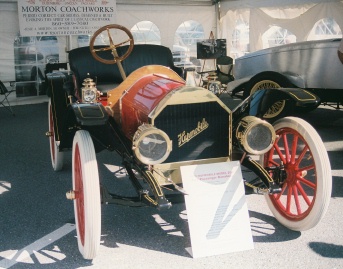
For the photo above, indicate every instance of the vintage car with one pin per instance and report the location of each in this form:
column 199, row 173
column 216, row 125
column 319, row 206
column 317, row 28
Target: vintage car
column 32, row 54
column 157, row 123
column 312, row 65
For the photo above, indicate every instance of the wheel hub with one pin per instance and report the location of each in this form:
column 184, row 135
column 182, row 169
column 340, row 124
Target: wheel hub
column 292, row 173
column 71, row 195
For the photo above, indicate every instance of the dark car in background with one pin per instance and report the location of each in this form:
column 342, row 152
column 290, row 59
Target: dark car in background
column 31, row 56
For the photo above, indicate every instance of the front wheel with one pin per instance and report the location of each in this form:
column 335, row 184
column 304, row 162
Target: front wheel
column 87, row 207
column 306, row 190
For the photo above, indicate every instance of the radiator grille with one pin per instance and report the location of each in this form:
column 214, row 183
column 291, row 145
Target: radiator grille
column 198, row 131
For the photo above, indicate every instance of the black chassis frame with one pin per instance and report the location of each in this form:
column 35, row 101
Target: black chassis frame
column 70, row 116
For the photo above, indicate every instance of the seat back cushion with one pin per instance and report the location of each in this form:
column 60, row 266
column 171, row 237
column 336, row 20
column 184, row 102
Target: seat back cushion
column 84, row 65
column 149, row 54
column 82, row 62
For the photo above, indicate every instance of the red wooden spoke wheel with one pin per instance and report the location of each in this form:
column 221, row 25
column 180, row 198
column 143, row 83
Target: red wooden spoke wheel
column 87, row 207
column 306, row 190
column 55, row 154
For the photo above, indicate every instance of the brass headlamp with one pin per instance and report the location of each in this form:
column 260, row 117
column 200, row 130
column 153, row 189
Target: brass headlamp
column 255, row 135
column 89, row 91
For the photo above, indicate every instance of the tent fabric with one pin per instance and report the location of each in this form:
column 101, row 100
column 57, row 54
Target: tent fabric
column 298, row 19
column 166, row 17
column 8, row 17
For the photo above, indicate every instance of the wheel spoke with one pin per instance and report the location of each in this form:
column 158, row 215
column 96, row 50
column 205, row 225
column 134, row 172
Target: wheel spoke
column 289, row 200
column 307, row 168
column 122, row 43
column 103, row 49
column 307, row 182
column 285, row 144
column 294, row 148
column 303, row 194
column 110, row 37
column 301, row 156
column 296, row 200
column 281, row 155
column 278, row 196
column 272, row 162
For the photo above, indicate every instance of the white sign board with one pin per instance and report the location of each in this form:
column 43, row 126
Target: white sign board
column 217, row 212
column 64, row 17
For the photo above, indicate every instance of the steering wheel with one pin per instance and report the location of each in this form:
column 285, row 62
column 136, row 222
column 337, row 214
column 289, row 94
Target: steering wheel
column 112, row 47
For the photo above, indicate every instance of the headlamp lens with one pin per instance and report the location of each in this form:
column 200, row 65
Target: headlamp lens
column 151, row 145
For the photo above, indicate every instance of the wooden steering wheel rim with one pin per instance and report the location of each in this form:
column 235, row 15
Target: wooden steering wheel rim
column 112, row 46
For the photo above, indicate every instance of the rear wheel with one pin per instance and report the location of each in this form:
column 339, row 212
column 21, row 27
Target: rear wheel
column 55, row 154
column 306, row 191
column 87, row 207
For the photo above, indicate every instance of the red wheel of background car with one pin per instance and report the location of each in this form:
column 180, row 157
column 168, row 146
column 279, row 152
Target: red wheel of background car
column 87, row 207
column 55, row 154
column 306, row 192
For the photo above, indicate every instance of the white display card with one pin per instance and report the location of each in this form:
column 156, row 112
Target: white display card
column 217, row 212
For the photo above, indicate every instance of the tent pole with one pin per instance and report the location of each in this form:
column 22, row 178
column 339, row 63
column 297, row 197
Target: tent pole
column 217, row 16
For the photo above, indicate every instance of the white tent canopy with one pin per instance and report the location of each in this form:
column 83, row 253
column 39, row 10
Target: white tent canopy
column 299, row 19
column 220, row 17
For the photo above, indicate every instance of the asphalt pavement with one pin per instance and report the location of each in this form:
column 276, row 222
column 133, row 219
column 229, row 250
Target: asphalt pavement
column 37, row 222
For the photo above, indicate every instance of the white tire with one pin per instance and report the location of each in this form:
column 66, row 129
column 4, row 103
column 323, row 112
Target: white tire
column 55, row 155
column 307, row 188
column 87, row 204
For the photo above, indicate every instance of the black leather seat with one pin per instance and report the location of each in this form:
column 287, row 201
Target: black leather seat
column 224, row 62
column 107, row 76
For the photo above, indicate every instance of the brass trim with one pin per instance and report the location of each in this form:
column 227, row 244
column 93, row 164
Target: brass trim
column 304, row 99
column 143, row 132
column 244, row 127
column 154, row 184
column 183, row 95
column 115, row 95
column 184, row 137
column 263, row 171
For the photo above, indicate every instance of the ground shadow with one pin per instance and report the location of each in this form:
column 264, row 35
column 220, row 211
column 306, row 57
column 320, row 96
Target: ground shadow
column 327, row 250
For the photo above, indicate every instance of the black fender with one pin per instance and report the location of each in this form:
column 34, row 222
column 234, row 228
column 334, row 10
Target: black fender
column 284, row 80
column 258, row 104
column 59, row 101
column 295, row 98
column 91, row 117
column 90, row 114
column 276, row 77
